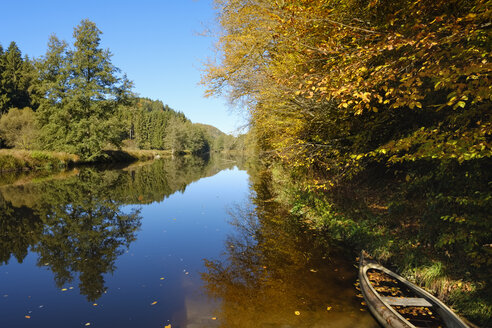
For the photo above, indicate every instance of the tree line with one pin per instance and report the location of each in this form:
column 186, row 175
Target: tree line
column 73, row 99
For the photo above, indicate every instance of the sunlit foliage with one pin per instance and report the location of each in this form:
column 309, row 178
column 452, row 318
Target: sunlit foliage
column 334, row 84
column 19, row 128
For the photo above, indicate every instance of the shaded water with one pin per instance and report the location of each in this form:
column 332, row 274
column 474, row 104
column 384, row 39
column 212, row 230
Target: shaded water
column 187, row 242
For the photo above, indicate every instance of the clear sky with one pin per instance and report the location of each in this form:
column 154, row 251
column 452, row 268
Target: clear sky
column 156, row 43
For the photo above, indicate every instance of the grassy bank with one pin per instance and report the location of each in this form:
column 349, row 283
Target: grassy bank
column 24, row 160
column 428, row 223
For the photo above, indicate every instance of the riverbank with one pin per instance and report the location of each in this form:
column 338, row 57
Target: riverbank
column 429, row 224
column 12, row 160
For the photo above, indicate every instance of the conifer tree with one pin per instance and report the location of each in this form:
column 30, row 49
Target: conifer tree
column 14, row 80
column 85, row 97
column 3, row 93
column 54, row 71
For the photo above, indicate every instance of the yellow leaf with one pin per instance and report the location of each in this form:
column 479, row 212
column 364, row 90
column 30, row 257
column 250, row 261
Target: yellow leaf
column 162, row 278
column 297, row 313
column 27, row 316
column 95, row 304
column 328, row 308
column 153, row 303
column 168, row 326
column 214, row 318
column 88, row 324
column 64, row 289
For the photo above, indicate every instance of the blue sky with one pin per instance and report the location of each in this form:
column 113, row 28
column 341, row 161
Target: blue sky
column 157, row 43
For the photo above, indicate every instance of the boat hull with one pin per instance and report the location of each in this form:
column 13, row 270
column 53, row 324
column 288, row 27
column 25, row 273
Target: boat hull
column 385, row 314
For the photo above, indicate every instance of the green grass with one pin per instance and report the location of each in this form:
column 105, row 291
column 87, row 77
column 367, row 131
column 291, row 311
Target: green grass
column 19, row 160
column 16, row 160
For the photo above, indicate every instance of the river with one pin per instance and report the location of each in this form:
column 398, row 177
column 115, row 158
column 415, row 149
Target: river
column 177, row 243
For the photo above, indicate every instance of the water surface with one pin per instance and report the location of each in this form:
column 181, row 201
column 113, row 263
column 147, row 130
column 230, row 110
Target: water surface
column 186, row 242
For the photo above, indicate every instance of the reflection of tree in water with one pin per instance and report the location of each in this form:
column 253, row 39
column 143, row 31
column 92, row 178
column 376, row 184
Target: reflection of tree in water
column 19, row 229
column 84, row 229
column 74, row 224
column 75, row 220
column 155, row 182
column 274, row 267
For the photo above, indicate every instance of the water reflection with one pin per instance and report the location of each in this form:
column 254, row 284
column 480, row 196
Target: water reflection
column 277, row 273
column 78, row 223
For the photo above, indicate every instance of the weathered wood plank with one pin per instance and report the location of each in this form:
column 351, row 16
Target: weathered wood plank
column 407, row 301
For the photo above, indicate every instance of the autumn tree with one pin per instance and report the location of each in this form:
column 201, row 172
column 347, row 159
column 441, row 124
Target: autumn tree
column 331, row 85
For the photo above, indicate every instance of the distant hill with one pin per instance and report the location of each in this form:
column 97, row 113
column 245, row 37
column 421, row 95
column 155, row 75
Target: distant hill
column 211, row 130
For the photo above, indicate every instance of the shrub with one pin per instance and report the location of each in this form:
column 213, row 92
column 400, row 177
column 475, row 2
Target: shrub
column 19, row 128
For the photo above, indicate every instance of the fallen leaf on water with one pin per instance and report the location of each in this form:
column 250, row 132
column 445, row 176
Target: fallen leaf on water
column 297, row 313
column 70, row 287
column 162, row 278
column 88, row 324
column 27, row 316
column 95, row 304
column 328, row 308
column 153, row 303
column 64, row 289
column 214, row 318
column 168, row 326
column 313, row 270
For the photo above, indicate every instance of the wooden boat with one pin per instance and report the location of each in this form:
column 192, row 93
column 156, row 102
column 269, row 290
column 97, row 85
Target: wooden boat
column 397, row 303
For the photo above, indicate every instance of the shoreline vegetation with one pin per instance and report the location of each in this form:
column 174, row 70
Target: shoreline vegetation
column 13, row 160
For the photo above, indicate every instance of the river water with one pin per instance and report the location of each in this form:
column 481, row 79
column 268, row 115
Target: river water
column 172, row 243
